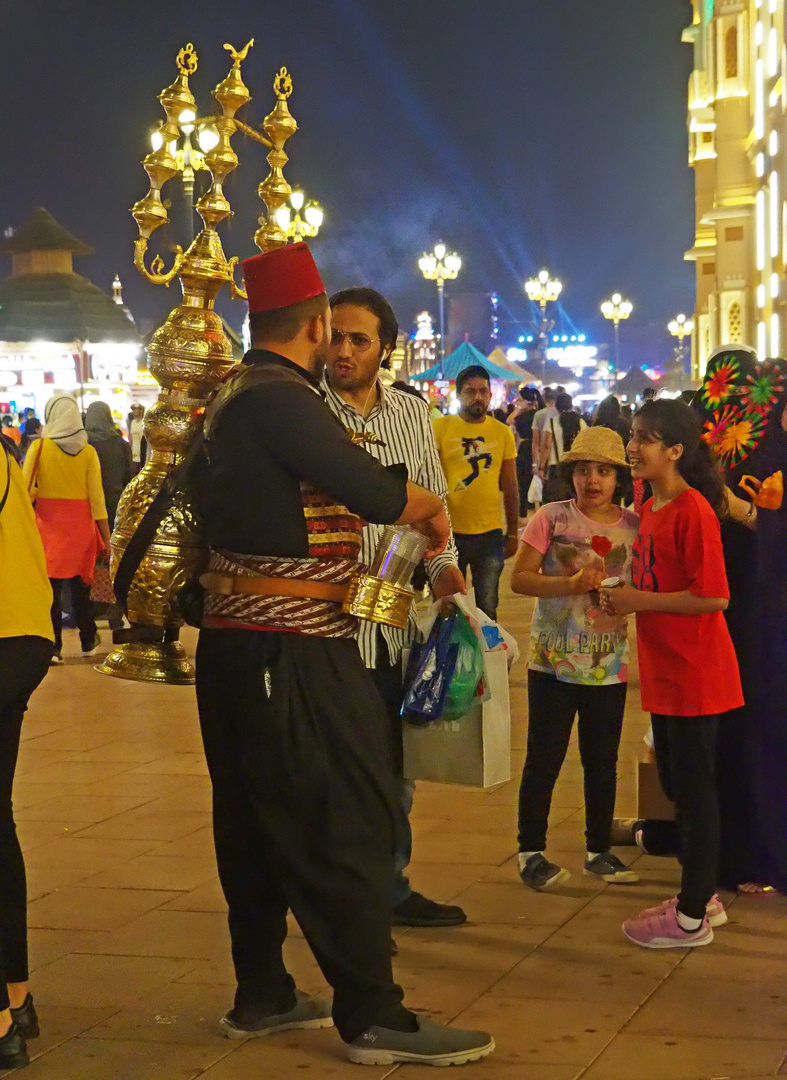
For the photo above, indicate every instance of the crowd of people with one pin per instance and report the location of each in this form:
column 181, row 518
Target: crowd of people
column 300, row 709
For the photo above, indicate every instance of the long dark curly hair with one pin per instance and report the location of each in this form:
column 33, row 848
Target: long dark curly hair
column 676, row 423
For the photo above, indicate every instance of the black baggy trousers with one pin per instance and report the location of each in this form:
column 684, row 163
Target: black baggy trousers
column 305, row 816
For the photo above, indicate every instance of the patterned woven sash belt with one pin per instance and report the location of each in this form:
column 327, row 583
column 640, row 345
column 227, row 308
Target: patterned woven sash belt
column 243, row 588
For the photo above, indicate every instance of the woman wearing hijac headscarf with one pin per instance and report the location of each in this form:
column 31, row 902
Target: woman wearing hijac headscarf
column 114, row 454
column 63, row 476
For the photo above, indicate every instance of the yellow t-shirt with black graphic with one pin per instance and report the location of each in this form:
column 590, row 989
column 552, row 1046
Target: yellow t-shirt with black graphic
column 472, row 456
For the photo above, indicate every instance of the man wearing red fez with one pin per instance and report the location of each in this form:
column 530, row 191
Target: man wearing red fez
column 305, row 802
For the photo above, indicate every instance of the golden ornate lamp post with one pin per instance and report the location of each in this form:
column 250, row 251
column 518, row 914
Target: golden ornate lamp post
column 440, row 266
column 543, row 290
column 188, row 355
column 617, row 309
column 681, row 327
column 296, row 226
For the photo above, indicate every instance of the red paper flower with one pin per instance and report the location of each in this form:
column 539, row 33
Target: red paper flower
column 601, row 545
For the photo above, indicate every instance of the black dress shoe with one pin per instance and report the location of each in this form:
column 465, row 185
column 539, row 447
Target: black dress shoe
column 417, row 910
column 13, row 1052
column 26, row 1019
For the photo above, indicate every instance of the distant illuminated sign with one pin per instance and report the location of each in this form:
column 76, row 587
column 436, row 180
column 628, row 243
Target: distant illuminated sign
column 572, row 356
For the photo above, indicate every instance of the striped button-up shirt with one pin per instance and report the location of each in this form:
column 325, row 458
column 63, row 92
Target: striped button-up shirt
column 402, row 422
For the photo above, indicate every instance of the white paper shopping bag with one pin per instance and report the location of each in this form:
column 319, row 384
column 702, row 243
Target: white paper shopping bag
column 474, row 750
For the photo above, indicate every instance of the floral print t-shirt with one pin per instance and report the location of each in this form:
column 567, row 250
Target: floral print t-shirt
column 571, row 637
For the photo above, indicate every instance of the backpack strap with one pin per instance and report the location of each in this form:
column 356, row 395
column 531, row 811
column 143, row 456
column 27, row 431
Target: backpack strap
column 151, row 520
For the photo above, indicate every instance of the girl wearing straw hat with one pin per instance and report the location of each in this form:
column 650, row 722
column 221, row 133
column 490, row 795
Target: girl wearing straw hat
column 579, row 655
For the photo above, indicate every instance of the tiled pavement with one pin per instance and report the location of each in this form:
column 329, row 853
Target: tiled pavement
column 129, row 943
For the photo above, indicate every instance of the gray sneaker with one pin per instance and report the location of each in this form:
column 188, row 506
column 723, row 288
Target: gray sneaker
column 432, row 1044
column 309, row 1012
column 609, row 868
column 540, row 874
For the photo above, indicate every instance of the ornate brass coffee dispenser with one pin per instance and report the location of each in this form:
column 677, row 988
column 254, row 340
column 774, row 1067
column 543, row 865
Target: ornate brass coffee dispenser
column 381, row 594
column 188, row 356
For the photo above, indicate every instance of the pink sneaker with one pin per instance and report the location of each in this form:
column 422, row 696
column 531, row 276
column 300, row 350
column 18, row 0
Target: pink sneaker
column 714, row 909
column 663, row 931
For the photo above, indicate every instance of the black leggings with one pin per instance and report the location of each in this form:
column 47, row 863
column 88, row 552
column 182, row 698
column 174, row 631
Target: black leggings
column 686, row 757
column 81, row 607
column 24, row 662
column 553, row 706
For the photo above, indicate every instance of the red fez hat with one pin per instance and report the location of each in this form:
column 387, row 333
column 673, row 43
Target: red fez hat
column 281, row 278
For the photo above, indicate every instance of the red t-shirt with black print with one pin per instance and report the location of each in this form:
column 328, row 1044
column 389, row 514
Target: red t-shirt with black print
column 687, row 663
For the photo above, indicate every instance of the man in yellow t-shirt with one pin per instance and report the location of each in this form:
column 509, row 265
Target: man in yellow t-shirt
column 478, row 455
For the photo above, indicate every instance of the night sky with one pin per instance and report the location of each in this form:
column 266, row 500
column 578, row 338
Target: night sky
column 520, row 132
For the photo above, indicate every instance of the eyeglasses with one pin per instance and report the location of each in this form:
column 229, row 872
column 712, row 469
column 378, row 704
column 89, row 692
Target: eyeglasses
column 359, row 342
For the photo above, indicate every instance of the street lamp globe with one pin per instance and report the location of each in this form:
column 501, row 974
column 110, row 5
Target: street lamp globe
column 440, row 266
column 314, row 216
column 616, row 309
column 186, row 121
column 542, row 290
column 208, row 138
column 283, row 218
column 296, row 224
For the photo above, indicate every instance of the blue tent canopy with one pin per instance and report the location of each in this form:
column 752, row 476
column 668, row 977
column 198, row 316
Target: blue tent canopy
column 461, row 358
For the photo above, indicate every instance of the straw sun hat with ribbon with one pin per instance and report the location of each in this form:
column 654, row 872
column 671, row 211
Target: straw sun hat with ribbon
column 597, row 444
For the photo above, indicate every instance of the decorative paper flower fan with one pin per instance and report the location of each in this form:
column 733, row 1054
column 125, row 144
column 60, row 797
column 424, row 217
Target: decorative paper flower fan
column 735, row 402
column 732, row 434
column 720, row 379
column 762, row 388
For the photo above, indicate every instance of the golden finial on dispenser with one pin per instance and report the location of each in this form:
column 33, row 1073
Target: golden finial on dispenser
column 274, row 191
column 161, row 165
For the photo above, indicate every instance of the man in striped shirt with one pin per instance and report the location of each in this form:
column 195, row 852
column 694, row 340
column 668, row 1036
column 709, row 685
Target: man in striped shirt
column 364, row 332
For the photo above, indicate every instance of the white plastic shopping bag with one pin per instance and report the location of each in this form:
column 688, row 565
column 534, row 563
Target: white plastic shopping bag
column 535, row 493
column 493, row 637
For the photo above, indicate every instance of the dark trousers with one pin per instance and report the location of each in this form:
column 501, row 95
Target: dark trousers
column 685, row 749
column 524, row 474
column 388, row 680
column 81, row 607
column 24, row 662
column 483, row 553
column 552, row 707
column 305, row 816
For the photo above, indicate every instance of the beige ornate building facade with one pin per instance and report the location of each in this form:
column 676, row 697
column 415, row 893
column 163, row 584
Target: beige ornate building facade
column 737, row 111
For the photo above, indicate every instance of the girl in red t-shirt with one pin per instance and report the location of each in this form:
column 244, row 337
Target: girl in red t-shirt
column 688, row 669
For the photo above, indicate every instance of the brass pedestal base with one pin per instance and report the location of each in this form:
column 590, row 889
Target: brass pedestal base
column 162, row 662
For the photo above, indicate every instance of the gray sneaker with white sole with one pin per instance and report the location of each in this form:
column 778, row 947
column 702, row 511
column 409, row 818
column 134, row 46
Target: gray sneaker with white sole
column 308, row 1012
column 431, row 1044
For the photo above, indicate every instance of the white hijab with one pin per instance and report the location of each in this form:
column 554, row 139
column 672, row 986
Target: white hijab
column 63, row 424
